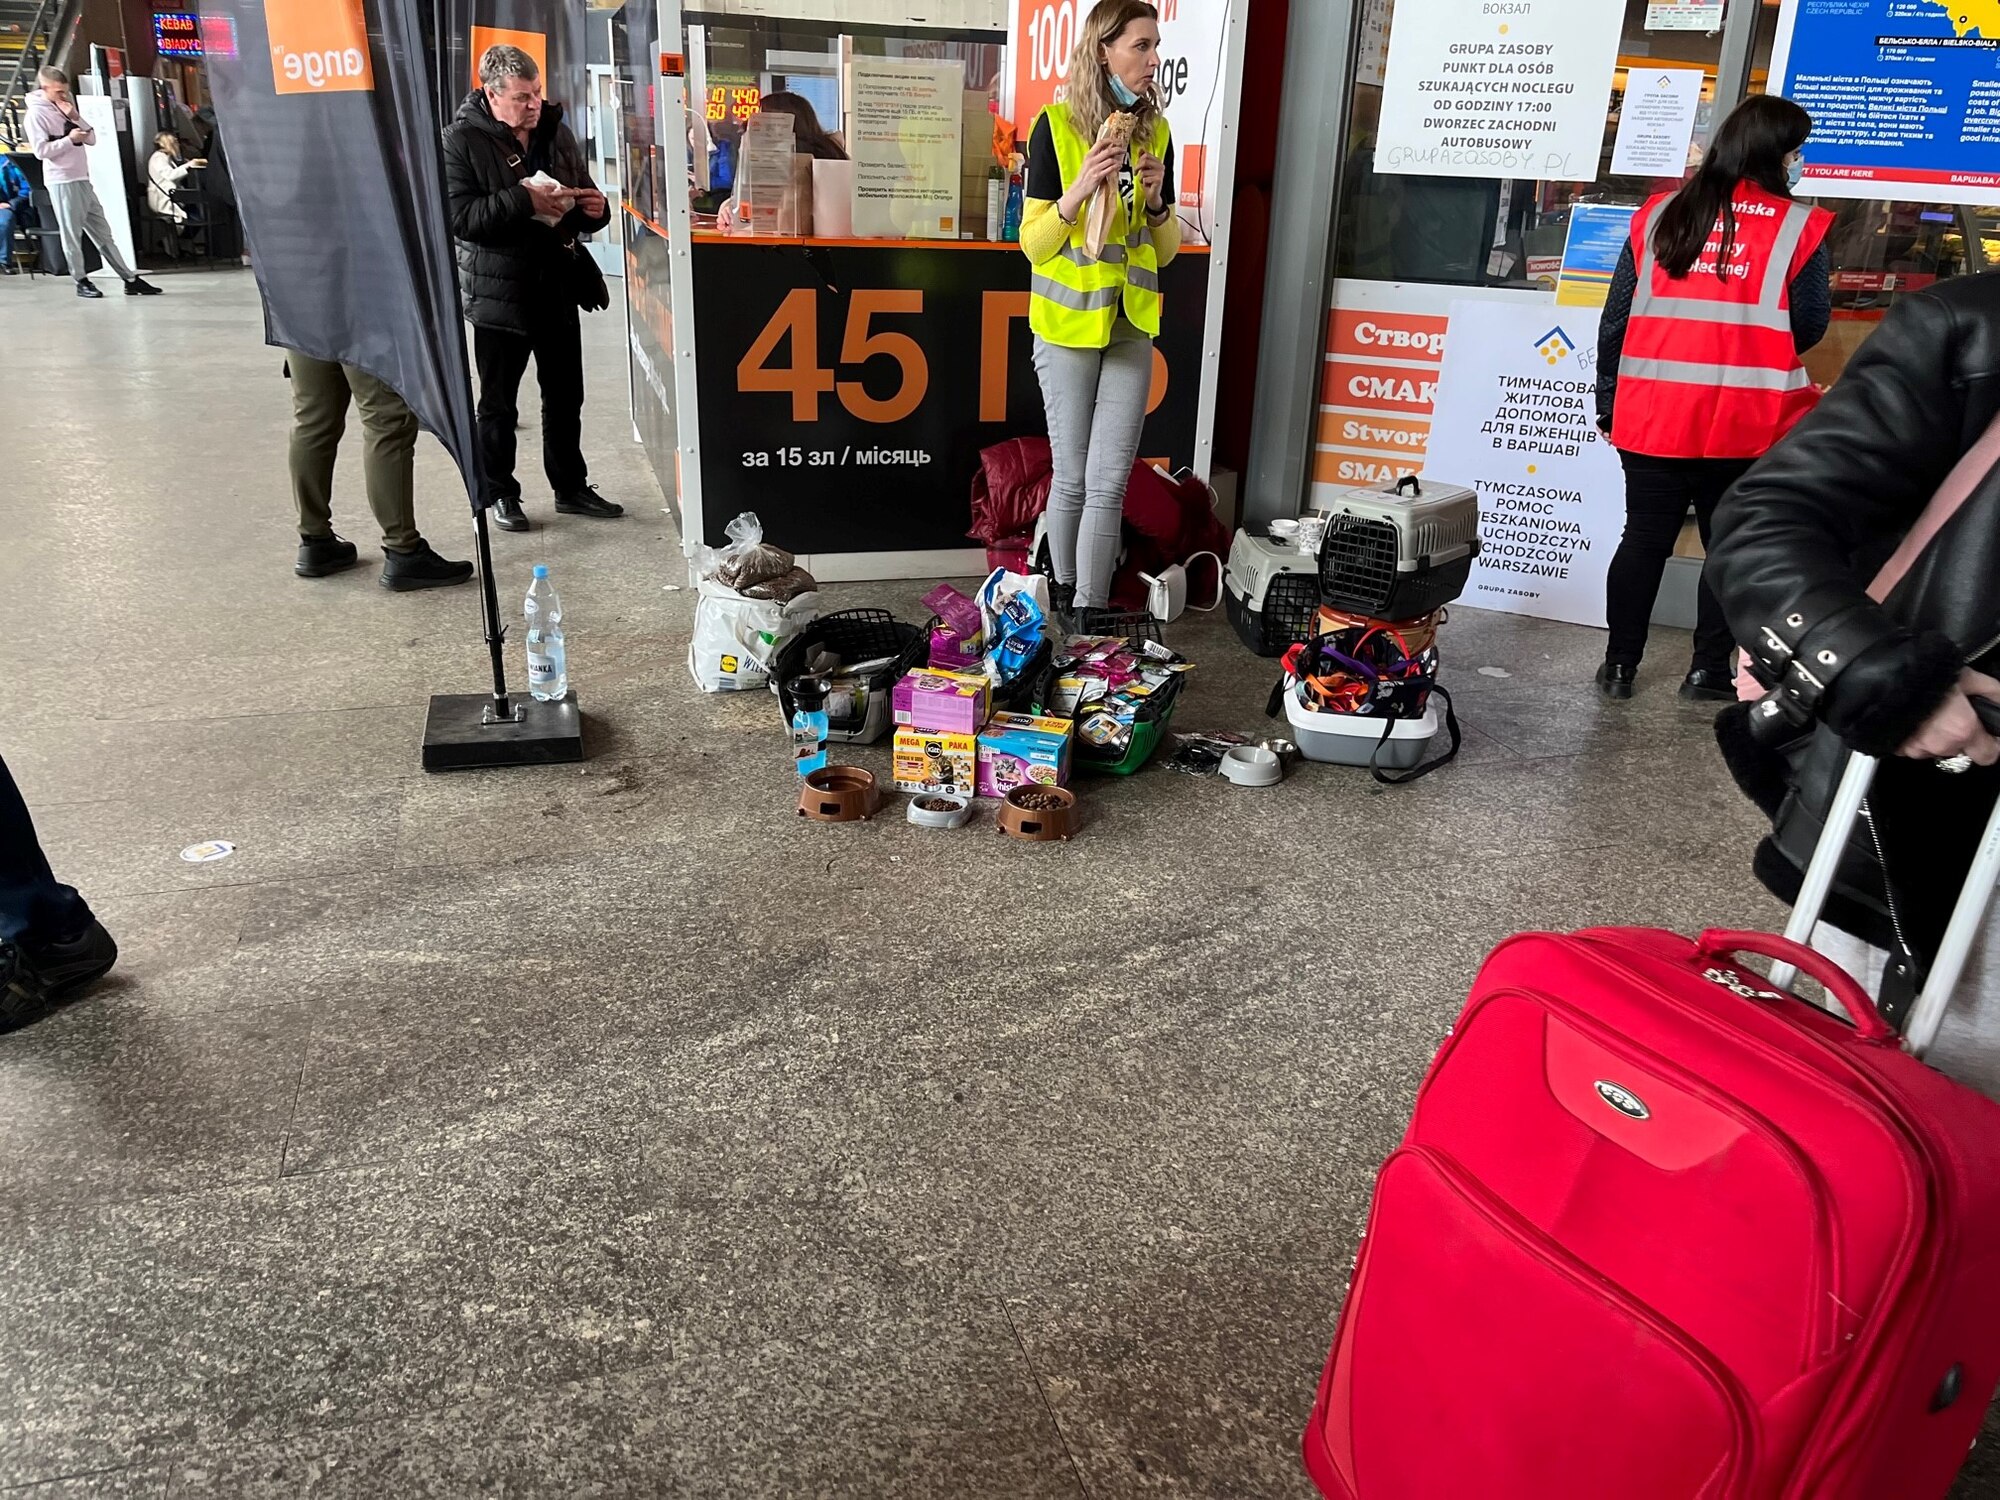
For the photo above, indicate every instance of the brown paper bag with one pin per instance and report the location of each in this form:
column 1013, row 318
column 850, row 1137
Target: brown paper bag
column 1097, row 218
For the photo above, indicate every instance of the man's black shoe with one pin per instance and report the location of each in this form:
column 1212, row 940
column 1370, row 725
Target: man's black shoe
column 1615, row 679
column 587, row 502
column 508, row 515
column 85, row 289
column 1708, row 685
column 138, row 286
column 20, row 991
column 321, row 555
column 420, row 568
column 68, row 964
column 10, row 269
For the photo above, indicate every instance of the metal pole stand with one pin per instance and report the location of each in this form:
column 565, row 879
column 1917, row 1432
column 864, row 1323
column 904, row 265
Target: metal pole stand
column 468, row 730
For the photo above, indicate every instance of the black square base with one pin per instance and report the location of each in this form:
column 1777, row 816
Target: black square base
column 458, row 738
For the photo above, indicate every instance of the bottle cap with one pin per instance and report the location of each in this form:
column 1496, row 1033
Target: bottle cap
column 808, row 693
column 541, row 570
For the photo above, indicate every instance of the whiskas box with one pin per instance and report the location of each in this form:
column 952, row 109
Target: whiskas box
column 927, row 760
column 1016, row 749
column 948, row 702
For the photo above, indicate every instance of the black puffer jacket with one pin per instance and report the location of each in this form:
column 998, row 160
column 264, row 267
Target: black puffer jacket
column 507, row 262
column 1797, row 541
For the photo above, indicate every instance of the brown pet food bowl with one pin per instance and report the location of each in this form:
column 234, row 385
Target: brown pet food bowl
column 839, row 794
column 1038, row 813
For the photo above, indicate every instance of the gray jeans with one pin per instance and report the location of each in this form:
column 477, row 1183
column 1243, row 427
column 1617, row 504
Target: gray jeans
column 79, row 213
column 1096, row 403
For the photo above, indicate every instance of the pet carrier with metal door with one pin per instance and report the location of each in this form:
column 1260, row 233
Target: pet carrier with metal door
column 1401, row 550
column 1271, row 591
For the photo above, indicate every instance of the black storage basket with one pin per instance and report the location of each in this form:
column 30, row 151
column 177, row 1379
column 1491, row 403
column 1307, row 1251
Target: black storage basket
column 1029, row 692
column 853, row 635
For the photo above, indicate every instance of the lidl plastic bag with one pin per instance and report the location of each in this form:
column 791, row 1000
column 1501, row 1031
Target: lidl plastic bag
column 736, row 639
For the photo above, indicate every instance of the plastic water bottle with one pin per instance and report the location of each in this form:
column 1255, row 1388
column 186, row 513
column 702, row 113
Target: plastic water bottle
column 548, row 665
column 809, row 723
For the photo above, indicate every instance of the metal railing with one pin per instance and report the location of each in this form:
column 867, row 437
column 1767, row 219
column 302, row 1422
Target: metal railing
column 45, row 40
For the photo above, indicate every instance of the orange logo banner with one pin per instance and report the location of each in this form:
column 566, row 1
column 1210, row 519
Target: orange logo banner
column 318, row 46
column 534, row 43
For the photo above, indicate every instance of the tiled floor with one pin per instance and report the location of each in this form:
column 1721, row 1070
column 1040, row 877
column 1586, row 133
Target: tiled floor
column 602, row 1130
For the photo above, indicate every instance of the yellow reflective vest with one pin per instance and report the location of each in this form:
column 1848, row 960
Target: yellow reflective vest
column 1074, row 299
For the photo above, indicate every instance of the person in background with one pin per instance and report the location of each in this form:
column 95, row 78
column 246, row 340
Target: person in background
column 51, row 945
column 16, row 197
column 809, row 138
column 164, row 172
column 1720, row 289
column 321, row 391
column 1795, row 547
column 517, row 254
column 59, row 137
column 1095, row 317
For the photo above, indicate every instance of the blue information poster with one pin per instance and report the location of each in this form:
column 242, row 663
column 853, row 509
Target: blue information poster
column 1904, row 95
column 1597, row 233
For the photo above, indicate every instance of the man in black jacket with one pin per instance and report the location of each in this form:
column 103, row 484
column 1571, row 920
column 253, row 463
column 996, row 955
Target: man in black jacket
column 518, row 260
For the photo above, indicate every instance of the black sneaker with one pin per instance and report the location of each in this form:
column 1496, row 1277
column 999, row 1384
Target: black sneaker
column 587, row 502
column 138, row 286
column 1709, row 685
column 1615, row 679
column 85, row 289
column 21, row 994
column 322, row 555
column 508, row 515
column 68, row 964
column 420, row 568
column 10, row 269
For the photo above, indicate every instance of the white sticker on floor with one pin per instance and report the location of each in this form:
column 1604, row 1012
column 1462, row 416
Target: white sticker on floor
column 1494, row 672
column 209, row 852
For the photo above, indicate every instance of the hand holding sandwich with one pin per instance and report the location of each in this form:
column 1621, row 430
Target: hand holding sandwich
column 1100, row 165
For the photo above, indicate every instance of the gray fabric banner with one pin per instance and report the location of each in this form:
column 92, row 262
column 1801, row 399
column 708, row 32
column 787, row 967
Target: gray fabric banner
column 326, row 109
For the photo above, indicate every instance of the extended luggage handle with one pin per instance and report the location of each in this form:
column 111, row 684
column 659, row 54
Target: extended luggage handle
column 1724, row 942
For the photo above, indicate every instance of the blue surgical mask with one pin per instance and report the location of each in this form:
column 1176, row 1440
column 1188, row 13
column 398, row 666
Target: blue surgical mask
column 1125, row 97
column 1794, row 171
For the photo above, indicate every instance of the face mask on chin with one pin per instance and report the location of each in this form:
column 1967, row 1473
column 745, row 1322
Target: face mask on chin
column 1125, row 97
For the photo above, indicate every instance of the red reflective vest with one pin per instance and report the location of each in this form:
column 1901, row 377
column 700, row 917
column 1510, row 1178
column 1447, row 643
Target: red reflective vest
column 1708, row 369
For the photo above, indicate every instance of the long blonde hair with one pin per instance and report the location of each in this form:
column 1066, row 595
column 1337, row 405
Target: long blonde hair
column 1089, row 91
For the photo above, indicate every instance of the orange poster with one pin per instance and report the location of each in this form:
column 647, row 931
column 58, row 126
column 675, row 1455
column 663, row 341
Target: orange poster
column 318, row 46
column 534, row 43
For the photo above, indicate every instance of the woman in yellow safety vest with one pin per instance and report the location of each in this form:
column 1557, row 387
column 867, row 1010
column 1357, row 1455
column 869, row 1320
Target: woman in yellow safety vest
column 1095, row 317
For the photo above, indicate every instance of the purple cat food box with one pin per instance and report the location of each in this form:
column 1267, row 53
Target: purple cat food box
column 1021, row 750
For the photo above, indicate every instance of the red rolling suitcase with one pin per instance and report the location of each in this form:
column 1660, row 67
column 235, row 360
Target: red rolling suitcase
column 1661, row 1229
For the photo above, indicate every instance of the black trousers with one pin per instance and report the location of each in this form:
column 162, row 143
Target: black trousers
column 555, row 341
column 34, row 907
column 1658, row 495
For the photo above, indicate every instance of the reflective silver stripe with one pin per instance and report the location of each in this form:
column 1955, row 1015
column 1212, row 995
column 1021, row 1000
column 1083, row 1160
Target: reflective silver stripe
column 1145, row 280
column 1063, row 296
column 1135, row 237
column 1766, row 312
column 1076, row 255
column 1730, row 377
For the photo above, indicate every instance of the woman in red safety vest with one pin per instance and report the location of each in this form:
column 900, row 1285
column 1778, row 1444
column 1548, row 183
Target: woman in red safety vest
column 1720, row 288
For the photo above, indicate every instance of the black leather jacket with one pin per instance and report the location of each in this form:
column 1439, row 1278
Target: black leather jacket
column 1796, row 542
column 1794, row 546
column 508, row 263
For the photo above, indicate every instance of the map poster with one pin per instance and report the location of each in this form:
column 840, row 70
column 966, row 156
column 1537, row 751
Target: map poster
column 1498, row 88
column 1515, row 411
column 1904, row 95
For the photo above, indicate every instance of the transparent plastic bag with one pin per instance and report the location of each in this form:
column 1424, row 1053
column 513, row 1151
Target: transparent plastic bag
column 747, row 560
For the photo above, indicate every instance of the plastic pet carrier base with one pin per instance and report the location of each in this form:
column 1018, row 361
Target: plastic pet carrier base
column 860, row 715
column 1270, row 592
column 1400, row 550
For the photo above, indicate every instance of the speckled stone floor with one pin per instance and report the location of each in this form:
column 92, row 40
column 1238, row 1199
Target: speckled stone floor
column 601, row 1130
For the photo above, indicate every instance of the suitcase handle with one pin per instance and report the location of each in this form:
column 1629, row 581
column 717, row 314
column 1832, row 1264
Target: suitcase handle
column 1721, row 942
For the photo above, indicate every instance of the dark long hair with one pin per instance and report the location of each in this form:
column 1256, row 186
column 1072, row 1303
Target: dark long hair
column 808, row 135
column 1751, row 146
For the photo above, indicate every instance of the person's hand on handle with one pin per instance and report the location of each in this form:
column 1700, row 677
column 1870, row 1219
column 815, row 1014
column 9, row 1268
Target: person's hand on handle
column 1954, row 729
column 1100, row 164
column 550, row 202
column 1153, row 173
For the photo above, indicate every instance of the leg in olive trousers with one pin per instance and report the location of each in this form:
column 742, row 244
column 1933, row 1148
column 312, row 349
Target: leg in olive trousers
column 321, row 391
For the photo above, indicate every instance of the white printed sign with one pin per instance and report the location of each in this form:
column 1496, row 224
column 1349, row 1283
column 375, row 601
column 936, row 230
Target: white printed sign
column 1498, row 88
column 1515, row 418
column 1656, row 124
column 907, row 123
